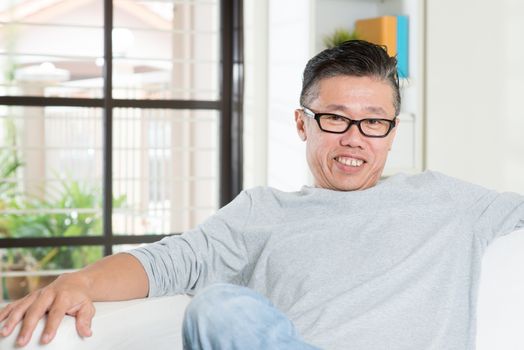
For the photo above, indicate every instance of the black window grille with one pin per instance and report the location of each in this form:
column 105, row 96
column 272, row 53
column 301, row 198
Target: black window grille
column 218, row 114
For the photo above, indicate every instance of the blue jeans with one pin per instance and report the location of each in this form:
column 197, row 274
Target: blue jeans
column 226, row 316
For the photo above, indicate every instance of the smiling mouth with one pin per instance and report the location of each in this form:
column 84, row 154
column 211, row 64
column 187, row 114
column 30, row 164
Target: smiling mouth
column 348, row 161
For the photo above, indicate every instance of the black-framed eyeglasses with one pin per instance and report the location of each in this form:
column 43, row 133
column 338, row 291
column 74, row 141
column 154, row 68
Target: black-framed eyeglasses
column 338, row 124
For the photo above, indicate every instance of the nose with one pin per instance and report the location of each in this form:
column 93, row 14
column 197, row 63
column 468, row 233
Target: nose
column 352, row 137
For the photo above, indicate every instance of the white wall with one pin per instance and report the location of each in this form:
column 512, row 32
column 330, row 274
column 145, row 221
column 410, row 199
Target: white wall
column 289, row 48
column 255, row 92
column 474, row 75
column 475, row 131
column 277, row 45
column 475, row 84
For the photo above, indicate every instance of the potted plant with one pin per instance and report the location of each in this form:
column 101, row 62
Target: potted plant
column 339, row 36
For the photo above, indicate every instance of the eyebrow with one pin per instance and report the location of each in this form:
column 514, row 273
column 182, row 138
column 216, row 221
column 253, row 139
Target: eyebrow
column 369, row 109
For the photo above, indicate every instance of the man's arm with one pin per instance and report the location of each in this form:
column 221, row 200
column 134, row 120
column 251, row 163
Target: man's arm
column 118, row 277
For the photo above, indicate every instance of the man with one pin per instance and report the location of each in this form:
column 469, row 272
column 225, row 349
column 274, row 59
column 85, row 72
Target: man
column 353, row 262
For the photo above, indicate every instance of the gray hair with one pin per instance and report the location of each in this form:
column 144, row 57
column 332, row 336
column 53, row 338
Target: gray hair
column 352, row 58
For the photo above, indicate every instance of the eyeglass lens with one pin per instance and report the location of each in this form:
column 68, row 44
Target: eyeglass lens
column 373, row 127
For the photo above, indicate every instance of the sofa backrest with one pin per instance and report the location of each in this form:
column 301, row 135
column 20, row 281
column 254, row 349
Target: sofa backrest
column 501, row 295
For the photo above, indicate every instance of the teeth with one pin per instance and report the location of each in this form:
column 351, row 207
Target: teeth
column 350, row 161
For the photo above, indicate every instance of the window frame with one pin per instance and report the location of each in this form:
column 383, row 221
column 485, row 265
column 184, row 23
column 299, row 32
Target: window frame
column 229, row 106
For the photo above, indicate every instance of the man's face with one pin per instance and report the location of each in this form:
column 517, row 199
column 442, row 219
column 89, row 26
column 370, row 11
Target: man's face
column 348, row 161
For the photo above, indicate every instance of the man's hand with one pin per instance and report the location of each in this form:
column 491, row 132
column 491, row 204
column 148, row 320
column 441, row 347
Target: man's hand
column 67, row 295
column 117, row 277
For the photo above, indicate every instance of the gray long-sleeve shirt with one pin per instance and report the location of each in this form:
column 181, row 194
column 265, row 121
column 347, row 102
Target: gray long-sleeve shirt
column 395, row 266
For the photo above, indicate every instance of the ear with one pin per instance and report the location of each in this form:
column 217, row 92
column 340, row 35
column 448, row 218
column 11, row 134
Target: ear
column 300, row 124
column 393, row 133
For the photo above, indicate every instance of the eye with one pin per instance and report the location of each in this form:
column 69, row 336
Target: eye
column 374, row 123
column 334, row 117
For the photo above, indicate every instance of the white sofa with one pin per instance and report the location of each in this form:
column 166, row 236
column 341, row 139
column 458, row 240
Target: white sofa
column 500, row 320
column 156, row 323
column 128, row 325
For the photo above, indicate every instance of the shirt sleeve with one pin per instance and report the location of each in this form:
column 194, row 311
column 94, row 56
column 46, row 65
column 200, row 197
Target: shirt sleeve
column 498, row 215
column 213, row 252
column 491, row 214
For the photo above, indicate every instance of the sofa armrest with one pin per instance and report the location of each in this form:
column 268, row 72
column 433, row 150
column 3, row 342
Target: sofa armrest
column 500, row 313
column 154, row 323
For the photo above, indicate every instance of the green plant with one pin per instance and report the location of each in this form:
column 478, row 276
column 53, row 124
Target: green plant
column 9, row 164
column 72, row 209
column 72, row 212
column 339, row 36
column 8, row 167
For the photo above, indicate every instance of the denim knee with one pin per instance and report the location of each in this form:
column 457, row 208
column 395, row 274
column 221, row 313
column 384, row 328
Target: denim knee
column 210, row 317
column 218, row 300
column 226, row 316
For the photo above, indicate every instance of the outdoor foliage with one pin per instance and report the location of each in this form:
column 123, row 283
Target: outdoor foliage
column 44, row 218
column 9, row 163
column 69, row 209
column 339, row 36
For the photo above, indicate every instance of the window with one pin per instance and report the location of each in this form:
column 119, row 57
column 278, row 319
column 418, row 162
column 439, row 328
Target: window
column 119, row 124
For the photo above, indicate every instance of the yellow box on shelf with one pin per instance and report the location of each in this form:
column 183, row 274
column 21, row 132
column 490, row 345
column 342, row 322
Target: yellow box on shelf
column 391, row 32
column 379, row 30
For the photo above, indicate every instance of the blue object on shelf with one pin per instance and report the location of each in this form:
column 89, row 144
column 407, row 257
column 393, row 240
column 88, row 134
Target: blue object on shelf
column 403, row 46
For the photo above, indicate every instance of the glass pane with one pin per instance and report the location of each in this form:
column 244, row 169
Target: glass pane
column 51, row 48
column 26, row 269
column 166, row 49
column 50, row 171
column 165, row 169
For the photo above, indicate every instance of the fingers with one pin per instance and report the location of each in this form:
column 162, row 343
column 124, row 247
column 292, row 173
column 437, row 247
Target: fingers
column 33, row 314
column 83, row 312
column 5, row 311
column 4, row 331
column 54, row 318
column 84, row 316
column 58, row 299
column 13, row 313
